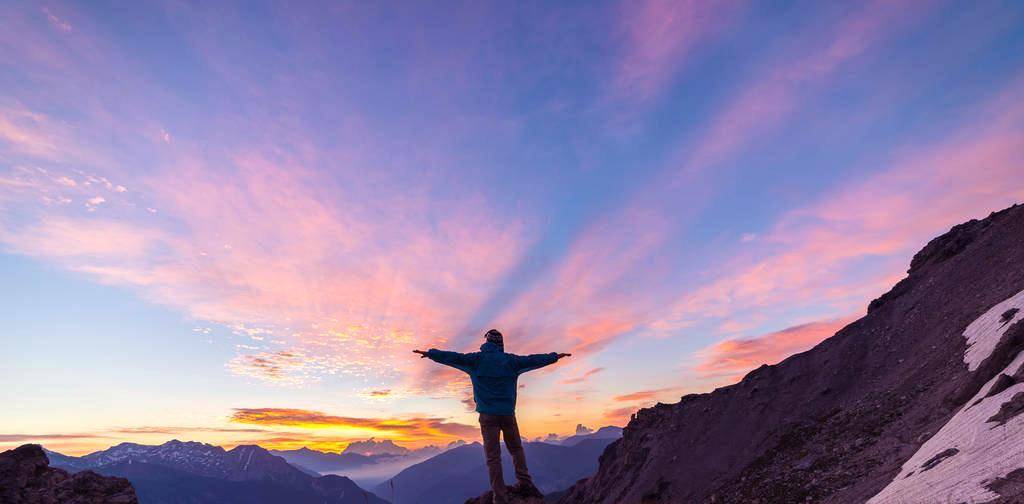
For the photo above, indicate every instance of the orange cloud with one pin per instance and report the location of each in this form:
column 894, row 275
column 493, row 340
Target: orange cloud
column 413, row 428
column 619, row 416
column 732, row 358
column 647, row 395
column 169, row 430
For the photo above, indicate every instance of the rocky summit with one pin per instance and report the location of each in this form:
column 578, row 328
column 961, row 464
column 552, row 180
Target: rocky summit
column 919, row 401
column 27, row 478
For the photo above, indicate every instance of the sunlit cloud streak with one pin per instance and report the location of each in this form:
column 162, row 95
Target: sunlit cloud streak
column 646, row 395
column 402, row 428
column 177, row 430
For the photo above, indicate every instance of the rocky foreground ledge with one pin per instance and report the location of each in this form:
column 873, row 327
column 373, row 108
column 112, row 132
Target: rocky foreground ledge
column 516, row 495
column 26, row 477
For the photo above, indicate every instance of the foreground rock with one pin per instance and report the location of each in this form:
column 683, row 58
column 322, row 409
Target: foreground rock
column 918, row 401
column 516, row 495
column 26, row 477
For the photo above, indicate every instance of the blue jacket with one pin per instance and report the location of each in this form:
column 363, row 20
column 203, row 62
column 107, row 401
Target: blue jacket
column 494, row 374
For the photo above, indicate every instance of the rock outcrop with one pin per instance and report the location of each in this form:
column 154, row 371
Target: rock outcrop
column 516, row 495
column 27, row 478
column 918, row 401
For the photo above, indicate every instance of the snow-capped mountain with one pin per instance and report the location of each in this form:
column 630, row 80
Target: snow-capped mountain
column 194, row 472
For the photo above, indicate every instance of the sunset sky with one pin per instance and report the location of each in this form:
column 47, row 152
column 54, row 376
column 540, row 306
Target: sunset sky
column 232, row 223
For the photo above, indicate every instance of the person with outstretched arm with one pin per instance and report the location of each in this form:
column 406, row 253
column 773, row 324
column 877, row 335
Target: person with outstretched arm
column 494, row 374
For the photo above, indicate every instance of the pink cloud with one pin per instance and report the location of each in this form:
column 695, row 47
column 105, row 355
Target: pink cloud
column 776, row 92
column 658, row 36
column 812, row 254
column 730, row 359
column 583, row 304
column 26, row 131
column 591, row 298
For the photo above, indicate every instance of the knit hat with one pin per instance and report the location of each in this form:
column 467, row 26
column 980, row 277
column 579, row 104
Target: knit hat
column 493, row 336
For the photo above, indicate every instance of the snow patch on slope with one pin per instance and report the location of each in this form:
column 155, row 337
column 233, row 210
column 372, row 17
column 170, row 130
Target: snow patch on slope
column 984, row 334
column 969, row 452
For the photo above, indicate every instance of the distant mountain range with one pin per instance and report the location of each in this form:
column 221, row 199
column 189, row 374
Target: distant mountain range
column 609, row 432
column 365, row 462
column 387, row 448
column 179, row 472
column 461, row 473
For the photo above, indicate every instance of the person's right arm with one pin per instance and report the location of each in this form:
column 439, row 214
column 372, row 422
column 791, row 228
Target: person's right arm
column 460, row 361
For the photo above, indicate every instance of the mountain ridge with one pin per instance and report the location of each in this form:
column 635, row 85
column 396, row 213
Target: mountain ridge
column 837, row 423
column 194, row 472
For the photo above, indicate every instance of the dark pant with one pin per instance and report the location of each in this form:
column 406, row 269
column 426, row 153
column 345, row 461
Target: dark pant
column 490, row 427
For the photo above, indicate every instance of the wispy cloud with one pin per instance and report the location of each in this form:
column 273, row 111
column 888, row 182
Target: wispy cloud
column 584, row 377
column 778, row 90
column 658, row 37
column 25, row 438
column 177, row 430
column 610, row 282
column 817, row 254
column 730, row 359
column 282, row 367
column 57, row 22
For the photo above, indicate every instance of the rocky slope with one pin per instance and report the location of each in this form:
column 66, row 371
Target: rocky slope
column 918, row 401
column 26, row 477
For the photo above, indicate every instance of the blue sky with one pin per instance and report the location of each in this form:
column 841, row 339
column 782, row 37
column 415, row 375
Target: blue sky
column 232, row 222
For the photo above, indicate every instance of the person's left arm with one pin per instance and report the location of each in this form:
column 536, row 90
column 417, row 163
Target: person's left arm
column 524, row 363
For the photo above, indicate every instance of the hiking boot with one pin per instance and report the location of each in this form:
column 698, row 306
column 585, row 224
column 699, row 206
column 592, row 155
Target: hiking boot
column 526, row 490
